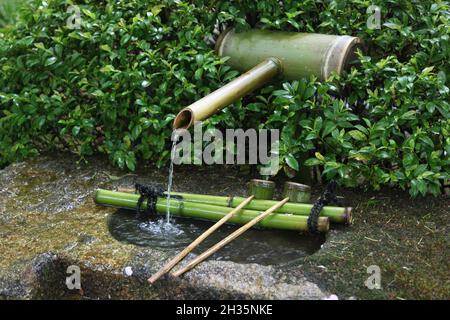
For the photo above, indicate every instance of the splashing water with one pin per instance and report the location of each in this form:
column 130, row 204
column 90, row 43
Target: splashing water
column 161, row 228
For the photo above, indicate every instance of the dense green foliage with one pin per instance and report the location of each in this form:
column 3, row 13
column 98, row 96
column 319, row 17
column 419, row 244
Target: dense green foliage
column 9, row 10
column 115, row 84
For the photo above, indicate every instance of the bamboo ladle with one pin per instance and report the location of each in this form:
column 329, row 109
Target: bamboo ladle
column 229, row 238
column 197, row 241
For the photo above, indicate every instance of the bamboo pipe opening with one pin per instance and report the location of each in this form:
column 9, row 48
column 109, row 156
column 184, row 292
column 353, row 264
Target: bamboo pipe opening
column 184, row 119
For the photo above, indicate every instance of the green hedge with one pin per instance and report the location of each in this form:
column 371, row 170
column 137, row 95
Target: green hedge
column 9, row 10
column 114, row 85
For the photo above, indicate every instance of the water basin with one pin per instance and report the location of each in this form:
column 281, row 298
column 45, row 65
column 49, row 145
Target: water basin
column 266, row 247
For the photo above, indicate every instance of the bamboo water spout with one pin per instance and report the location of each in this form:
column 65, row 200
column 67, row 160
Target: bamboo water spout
column 264, row 55
column 232, row 91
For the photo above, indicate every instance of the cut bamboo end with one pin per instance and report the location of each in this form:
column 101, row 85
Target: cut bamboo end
column 348, row 215
column 323, row 224
column 126, row 190
column 262, row 189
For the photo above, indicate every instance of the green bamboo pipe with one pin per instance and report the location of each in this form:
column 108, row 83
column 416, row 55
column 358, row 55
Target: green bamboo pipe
column 264, row 55
column 301, row 54
column 203, row 211
column 335, row 214
column 260, row 73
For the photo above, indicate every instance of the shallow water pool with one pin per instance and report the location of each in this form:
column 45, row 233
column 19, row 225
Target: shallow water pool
column 266, row 247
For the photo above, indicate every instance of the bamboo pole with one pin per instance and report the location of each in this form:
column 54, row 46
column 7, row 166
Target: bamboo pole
column 260, row 73
column 335, row 214
column 302, row 54
column 197, row 241
column 229, row 238
column 210, row 212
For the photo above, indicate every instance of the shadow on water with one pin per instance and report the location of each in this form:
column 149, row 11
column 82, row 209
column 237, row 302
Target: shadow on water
column 266, row 247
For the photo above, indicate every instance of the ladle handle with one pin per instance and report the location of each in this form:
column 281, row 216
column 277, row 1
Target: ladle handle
column 229, row 238
column 197, row 241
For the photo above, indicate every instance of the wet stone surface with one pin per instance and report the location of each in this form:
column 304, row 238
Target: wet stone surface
column 48, row 221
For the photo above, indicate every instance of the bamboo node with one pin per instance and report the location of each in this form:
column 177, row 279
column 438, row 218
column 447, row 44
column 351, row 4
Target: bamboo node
column 230, row 201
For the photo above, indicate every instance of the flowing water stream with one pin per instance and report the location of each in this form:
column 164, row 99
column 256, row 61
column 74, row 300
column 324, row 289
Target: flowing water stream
column 164, row 227
column 175, row 137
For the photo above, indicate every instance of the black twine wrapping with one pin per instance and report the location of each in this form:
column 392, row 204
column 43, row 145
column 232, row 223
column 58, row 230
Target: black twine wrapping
column 325, row 198
column 151, row 194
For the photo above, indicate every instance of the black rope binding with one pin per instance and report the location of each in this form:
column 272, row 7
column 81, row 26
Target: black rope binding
column 151, row 194
column 325, row 198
